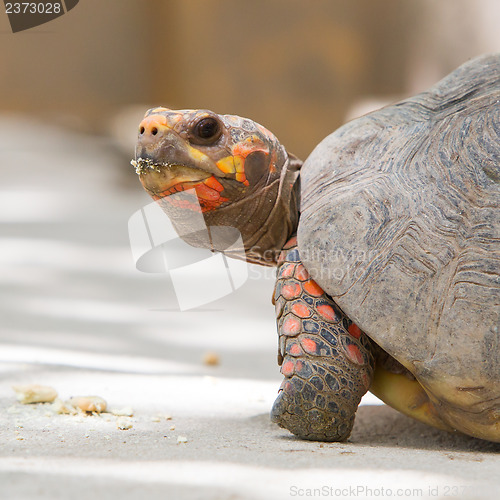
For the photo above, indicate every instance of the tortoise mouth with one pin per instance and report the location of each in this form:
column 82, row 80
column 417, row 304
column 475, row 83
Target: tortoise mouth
column 143, row 165
column 162, row 178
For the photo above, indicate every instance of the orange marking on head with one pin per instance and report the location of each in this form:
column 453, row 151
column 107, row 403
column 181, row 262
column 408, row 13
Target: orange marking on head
column 309, row 345
column 239, row 164
column 291, row 291
column 291, row 326
column 354, row 354
column 295, row 349
column 241, row 177
column 213, row 183
column 249, row 145
column 354, row 330
column 171, row 190
column 287, row 368
column 301, row 310
column 154, row 120
column 327, row 312
column 301, row 273
column 226, row 165
column 206, row 193
column 312, row 288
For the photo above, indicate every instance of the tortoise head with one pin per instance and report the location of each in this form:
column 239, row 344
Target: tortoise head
column 240, row 174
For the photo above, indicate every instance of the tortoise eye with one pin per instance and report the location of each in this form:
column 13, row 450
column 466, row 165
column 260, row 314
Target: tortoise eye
column 207, row 129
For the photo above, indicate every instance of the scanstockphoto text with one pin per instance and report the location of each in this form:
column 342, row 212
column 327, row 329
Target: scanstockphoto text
column 341, row 264
column 366, row 491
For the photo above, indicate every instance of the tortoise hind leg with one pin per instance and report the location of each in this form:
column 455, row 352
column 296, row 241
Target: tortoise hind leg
column 406, row 396
column 397, row 387
column 325, row 358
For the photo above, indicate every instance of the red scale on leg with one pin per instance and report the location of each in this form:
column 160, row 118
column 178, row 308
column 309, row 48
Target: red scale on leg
column 291, row 326
column 312, row 288
column 286, row 270
column 354, row 330
column 285, row 385
column 291, row 291
column 354, row 354
column 309, row 345
column 295, row 349
column 292, row 242
column 301, row 273
column 287, row 368
column 327, row 312
column 301, row 310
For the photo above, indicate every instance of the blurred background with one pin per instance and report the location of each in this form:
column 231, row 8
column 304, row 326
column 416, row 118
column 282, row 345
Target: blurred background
column 299, row 68
column 76, row 314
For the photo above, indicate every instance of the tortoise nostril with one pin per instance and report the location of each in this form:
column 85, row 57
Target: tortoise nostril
column 141, row 130
column 154, row 130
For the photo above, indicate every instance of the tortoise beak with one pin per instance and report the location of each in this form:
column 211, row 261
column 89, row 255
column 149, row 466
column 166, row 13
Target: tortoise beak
column 163, row 159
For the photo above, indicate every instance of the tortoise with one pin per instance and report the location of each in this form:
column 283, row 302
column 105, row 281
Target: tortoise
column 386, row 243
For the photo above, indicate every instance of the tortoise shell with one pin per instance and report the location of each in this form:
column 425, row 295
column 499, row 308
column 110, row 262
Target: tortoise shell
column 400, row 224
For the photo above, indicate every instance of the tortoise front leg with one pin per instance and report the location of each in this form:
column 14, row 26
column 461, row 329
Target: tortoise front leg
column 325, row 358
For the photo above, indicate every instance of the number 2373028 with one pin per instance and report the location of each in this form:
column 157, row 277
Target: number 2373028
column 33, row 7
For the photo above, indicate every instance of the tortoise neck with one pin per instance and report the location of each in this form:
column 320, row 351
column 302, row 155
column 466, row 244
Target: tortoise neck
column 277, row 217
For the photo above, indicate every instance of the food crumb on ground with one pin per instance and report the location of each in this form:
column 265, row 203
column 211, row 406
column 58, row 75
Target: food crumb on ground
column 124, row 423
column 88, row 404
column 62, row 408
column 34, row 393
column 211, row 358
column 122, row 412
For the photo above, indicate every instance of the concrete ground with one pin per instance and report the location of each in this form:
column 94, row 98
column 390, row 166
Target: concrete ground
column 75, row 314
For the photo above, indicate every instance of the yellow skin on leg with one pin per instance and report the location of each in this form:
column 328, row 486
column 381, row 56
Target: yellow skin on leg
column 410, row 398
column 407, row 396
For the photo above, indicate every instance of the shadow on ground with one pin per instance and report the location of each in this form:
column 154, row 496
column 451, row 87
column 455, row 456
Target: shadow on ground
column 384, row 426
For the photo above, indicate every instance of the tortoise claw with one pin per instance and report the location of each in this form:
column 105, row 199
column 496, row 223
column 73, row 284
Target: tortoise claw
column 316, row 424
